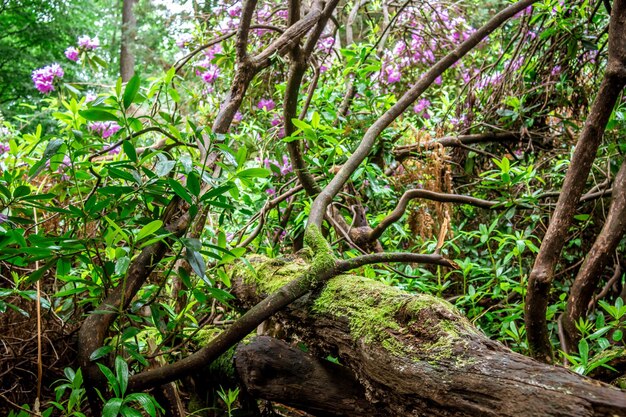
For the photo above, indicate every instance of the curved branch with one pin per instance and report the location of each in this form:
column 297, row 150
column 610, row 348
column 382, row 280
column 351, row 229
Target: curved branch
column 400, row 153
column 330, row 191
column 377, row 258
column 398, row 212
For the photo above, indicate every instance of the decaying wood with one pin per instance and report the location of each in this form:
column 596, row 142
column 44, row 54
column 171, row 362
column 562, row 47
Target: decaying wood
column 273, row 370
column 415, row 355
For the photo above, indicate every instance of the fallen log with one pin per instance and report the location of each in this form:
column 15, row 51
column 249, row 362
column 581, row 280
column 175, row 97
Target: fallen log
column 273, row 370
column 415, row 355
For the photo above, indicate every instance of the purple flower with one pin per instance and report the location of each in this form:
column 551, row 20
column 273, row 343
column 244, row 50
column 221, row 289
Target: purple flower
column 270, row 191
column 71, row 53
column 89, row 97
column 4, row 148
column 394, row 76
column 234, row 11
column 286, row 167
column 44, row 78
column 276, row 120
column 211, row 74
column 238, row 117
column 326, row 45
column 3, row 218
column 266, row 104
column 87, row 43
column 420, row 108
column 104, row 129
column 182, row 41
column 556, row 70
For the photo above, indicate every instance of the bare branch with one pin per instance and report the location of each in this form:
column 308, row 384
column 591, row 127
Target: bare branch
column 377, row 258
column 398, row 212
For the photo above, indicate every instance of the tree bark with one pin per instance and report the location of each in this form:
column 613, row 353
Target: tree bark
column 272, row 370
column 590, row 272
column 415, row 355
column 542, row 274
column 129, row 29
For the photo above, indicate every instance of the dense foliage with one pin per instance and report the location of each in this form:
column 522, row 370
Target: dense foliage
column 90, row 166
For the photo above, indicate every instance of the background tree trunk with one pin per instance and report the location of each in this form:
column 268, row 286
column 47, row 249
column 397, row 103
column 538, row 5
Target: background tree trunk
column 129, row 32
column 415, row 355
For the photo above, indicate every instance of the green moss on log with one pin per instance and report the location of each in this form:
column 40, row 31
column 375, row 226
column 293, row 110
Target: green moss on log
column 378, row 313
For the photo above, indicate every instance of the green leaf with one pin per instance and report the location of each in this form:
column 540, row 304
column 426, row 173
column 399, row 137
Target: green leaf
column 300, row 124
column 164, row 167
column 21, row 191
column 126, row 411
column 131, row 90
column 254, row 173
column 100, row 352
column 110, row 377
column 112, row 407
column 149, row 229
column 193, row 183
column 178, row 188
column 145, row 401
column 196, row 261
column 121, row 369
column 51, row 149
column 121, row 265
column 129, row 150
column 98, row 115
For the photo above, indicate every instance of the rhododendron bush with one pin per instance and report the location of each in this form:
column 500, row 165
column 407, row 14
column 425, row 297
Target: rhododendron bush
column 383, row 129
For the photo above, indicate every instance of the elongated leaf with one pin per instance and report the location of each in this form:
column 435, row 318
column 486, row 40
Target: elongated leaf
column 98, row 115
column 121, row 369
column 254, row 173
column 149, row 229
column 112, row 407
column 131, row 90
column 100, row 352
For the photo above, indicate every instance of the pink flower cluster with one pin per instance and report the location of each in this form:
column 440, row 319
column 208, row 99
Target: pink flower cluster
column 420, row 108
column 87, row 43
column 266, row 104
column 184, row 40
column 104, row 129
column 284, row 169
column 72, row 53
column 44, row 78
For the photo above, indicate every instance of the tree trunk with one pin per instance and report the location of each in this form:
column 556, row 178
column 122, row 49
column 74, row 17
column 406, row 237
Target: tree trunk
column 415, row 355
column 601, row 252
column 542, row 274
column 129, row 29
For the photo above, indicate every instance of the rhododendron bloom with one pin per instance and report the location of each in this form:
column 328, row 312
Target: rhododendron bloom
column 211, row 74
column 44, row 78
column 104, row 129
column 184, row 40
column 71, row 53
column 420, row 108
column 266, row 104
column 88, row 43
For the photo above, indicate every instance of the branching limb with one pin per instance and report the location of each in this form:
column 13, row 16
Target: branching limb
column 377, row 258
column 590, row 272
column 542, row 274
column 401, row 153
column 330, row 191
column 93, row 330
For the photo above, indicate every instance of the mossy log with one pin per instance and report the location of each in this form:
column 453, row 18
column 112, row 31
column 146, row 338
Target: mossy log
column 415, row 355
